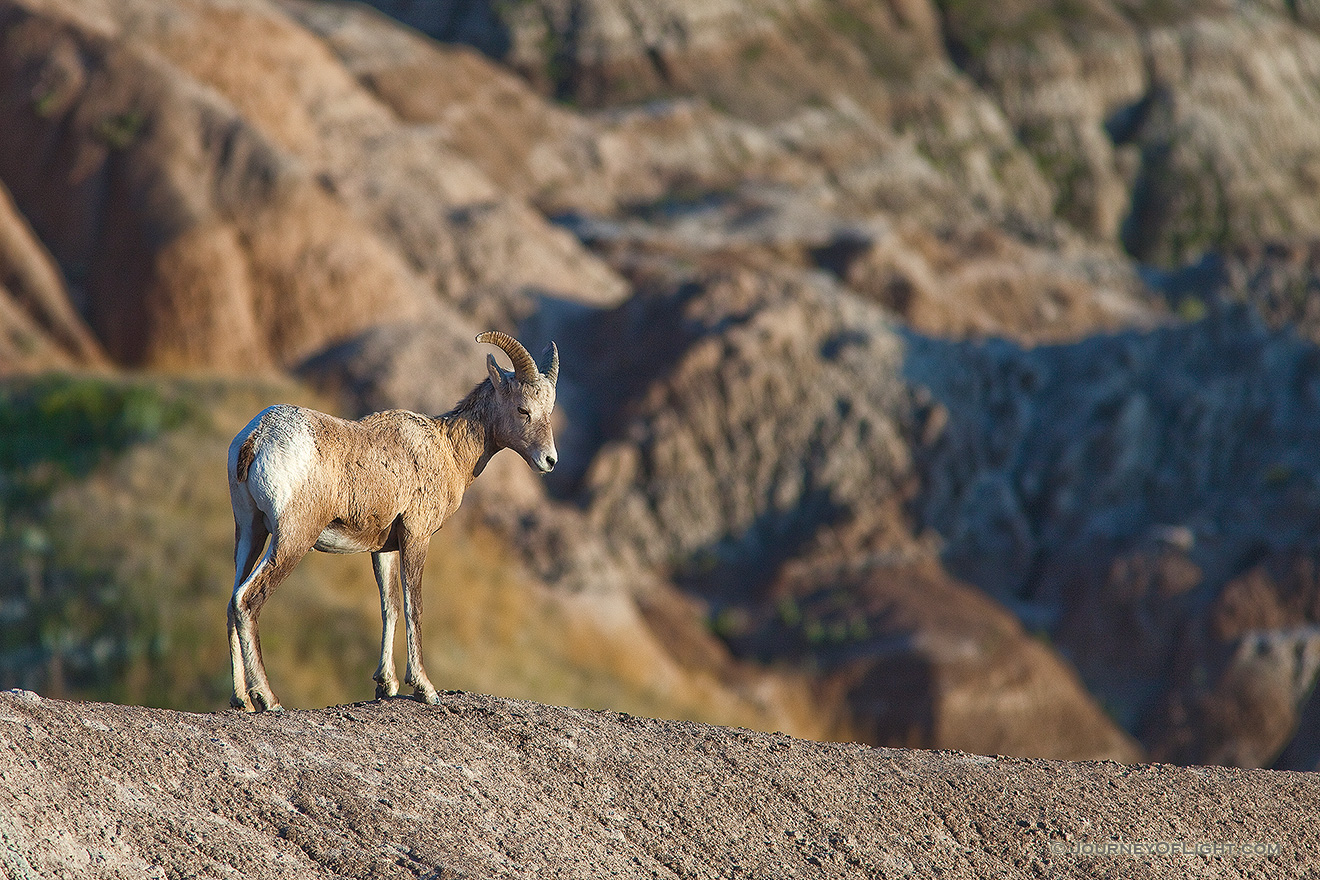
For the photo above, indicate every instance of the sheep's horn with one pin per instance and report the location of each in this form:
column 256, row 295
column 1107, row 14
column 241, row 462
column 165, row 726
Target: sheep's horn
column 550, row 363
column 524, row 368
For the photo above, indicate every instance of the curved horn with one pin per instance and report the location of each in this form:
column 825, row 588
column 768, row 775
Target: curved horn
column 550, row 363
column 524, row 368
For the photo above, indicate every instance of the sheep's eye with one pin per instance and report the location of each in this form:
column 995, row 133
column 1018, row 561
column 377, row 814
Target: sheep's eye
column 524, row 412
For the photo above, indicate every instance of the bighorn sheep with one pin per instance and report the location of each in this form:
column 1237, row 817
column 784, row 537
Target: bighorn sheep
column 382, row 485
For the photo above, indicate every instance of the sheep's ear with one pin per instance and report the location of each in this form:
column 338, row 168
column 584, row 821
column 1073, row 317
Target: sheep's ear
column 496, row 374
column 549, row 365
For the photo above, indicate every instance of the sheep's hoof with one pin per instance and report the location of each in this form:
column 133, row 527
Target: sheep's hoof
column 387, row 689
column 428, row 695
column 237, row 702
column 263, row 703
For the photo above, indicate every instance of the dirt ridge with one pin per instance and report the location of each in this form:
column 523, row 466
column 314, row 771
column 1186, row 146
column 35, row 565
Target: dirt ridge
column 482, row 787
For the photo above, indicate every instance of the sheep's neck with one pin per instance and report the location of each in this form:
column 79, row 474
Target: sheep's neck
column 473, row 444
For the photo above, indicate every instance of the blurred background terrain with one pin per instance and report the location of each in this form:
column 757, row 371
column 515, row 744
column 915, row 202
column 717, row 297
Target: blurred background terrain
column 935, row 373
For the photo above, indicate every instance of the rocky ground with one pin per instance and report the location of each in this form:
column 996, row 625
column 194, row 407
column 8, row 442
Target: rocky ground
column 487, row 787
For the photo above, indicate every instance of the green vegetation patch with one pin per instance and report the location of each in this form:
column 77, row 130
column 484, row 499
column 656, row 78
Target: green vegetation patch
column 974, row 28
column 888, row 57
column 120, row 130
column 66, row 625
column 58, row 426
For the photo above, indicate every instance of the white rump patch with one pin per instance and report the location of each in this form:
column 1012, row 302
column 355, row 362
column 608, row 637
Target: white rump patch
column 283, row 460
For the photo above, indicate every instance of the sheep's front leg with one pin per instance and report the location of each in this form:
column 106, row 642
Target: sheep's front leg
column 413, row 550
column 386, row 566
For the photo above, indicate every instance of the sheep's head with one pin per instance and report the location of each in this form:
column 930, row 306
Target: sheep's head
column 524, row 400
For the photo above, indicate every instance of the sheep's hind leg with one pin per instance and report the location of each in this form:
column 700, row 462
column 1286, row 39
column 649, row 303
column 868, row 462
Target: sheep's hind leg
column 281, row 556
column 249, row 544
column 385, row 564
column 413, row 550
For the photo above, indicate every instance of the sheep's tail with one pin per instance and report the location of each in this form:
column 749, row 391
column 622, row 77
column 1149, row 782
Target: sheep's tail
column 246, row 453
